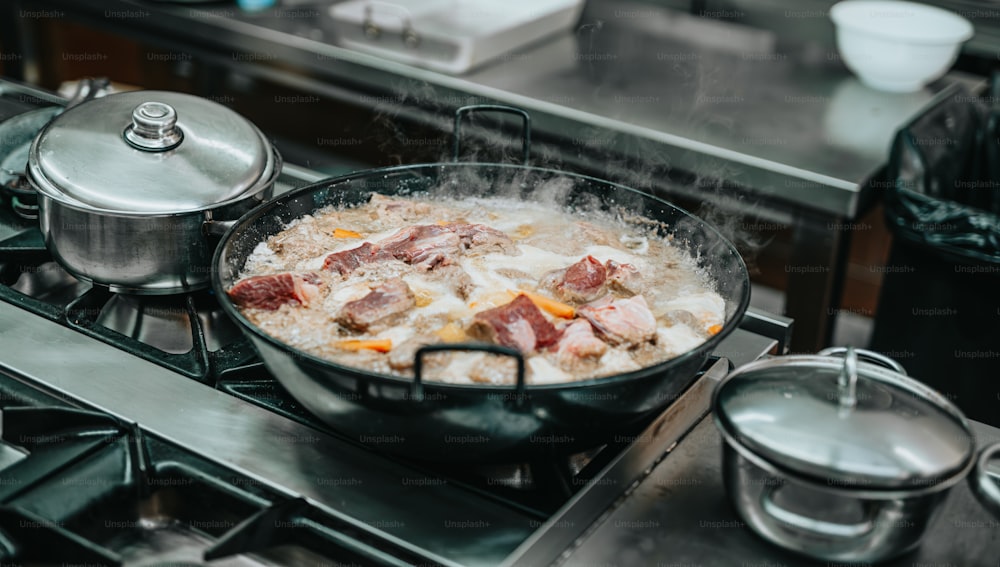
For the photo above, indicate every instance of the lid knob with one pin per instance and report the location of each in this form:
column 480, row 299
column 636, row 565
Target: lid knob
column 154, row 127
column 847, row 383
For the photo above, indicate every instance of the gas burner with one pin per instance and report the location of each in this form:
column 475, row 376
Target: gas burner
column 188, row 333
column 164, row 322
column 45, row 281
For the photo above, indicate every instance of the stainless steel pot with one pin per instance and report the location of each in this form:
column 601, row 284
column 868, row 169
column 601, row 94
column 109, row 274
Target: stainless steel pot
column 837, row 459
column 130, row 185
column 985, row 480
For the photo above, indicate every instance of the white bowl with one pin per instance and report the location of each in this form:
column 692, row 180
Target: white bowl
column 897, row 46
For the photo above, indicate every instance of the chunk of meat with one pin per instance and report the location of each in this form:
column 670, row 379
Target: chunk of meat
column 493, row 369
column 621, row 321
column 394, row 211
column 482, row 239
column 274, row 290
column 623, row 278
column 297, row 241
column 579, row 283
column 346, row 261
column 578, row 343
column 403, row 356
column 457, row 279
column 422, row 245
column 518, row 324
column 384, row 303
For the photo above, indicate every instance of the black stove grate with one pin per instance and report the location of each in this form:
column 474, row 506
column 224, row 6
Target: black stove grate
column 33, row 281
column 94, row 490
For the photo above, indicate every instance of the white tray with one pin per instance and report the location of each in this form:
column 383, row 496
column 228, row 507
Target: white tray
column 451, row 36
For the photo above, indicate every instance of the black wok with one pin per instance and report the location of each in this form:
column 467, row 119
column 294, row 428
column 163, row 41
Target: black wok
column 451, row 422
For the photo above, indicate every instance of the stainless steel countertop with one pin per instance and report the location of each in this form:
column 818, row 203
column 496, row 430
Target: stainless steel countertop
column 680, row 515
column 719, row 99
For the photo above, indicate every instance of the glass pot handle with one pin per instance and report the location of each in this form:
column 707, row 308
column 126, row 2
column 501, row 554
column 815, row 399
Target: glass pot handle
column 983, row 484
column 868, row 355
column 832, row 530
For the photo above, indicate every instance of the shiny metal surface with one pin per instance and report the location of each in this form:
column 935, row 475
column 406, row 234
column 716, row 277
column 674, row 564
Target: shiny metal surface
column 164, row 322
column 614, row 486
column 782, row 124
column 800, row 414
column 223, row 158
column 985, row 478
column 154, row 127
column 771, row 325
column 137, row 225
column 141, row 254
column 680, row 513
column 869, row 355
column 340, row 477
column 824, row 520
column 381, row 493
column 398, row 501
column 788, row 128
column 556, row 536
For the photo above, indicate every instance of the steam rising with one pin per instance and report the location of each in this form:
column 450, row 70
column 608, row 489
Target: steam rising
column 627, row 159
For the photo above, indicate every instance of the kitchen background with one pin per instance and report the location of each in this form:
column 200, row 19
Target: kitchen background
column 740, row 111
column 49, row 43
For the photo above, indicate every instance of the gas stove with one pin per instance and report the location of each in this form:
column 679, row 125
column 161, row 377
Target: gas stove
column 145, row 431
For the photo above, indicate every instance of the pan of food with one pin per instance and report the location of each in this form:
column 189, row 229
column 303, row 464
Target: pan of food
column 479, row 311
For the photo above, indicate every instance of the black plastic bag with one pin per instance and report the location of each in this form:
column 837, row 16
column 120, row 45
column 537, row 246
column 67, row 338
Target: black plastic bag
column 938, row 310
column 944, row 171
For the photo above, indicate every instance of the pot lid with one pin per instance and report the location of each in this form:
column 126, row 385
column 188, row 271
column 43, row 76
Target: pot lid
column 150, row 152
column 844, row 423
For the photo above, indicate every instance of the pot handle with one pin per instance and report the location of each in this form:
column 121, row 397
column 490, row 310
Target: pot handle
column 870, row 356
column 417, row 389
column 983, row 484
column 812, row 525
column 217, row 228
column 525, row 127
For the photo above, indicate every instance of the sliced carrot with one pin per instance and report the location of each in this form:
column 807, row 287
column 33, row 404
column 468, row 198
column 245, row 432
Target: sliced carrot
column 557, row 308
column 380, row 345
column 344, row 233
column 714, row 329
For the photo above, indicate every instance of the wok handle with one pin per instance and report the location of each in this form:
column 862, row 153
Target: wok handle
column 868, row 355
column 812, row 526
column 983, row 484
column 525, row 127
column 417, row 389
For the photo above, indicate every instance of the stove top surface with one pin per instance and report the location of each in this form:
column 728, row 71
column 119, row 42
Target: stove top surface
column 121, row 412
